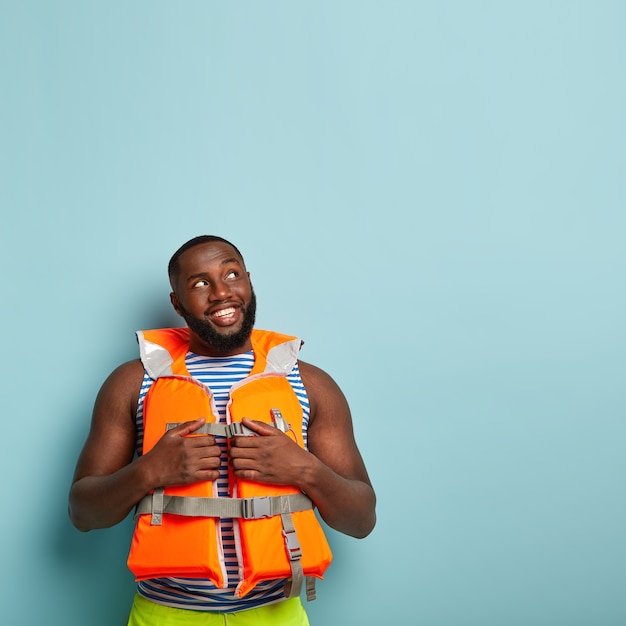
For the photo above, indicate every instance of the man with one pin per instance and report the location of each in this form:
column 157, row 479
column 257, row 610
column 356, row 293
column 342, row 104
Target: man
column 308, row 460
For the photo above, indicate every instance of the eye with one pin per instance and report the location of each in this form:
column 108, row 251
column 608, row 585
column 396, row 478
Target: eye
column 232, row 274
column 200, row 283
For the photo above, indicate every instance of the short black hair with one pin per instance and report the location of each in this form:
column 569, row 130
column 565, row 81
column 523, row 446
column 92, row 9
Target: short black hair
column 173, row 266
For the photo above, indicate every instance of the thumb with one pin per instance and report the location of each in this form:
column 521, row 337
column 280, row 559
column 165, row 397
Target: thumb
column 187, row 428
column 260, row 428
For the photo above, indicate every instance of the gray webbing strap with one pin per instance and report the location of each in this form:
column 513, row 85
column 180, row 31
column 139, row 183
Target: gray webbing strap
column 294, row 553
column 157, row 507
column 311, row 594
column 220, row 430
column 236, row 428
column 245, row 508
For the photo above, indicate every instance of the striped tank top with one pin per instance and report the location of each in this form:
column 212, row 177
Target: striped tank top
column 219, row 374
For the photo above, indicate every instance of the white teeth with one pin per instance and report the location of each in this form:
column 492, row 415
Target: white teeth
column 224, row 312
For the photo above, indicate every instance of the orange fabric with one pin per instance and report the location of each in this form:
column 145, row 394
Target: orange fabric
column 153, row 553
column 264, row 556
column 188, row 547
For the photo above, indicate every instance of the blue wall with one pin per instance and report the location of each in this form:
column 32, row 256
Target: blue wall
column 432, row 194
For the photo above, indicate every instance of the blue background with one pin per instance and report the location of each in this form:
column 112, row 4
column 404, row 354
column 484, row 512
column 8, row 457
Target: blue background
column 431, row 194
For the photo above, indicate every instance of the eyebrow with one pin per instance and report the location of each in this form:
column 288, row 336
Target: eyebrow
column 224, row 262
column 233, row 259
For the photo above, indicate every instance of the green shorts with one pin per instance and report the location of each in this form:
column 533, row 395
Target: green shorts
column 285, row 613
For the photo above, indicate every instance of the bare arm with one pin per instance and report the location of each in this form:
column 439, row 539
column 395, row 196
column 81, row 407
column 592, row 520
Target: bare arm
column 332, row 473
column 108, row 482
column 338, row 484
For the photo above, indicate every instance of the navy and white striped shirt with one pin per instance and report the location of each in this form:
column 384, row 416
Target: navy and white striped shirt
column 219, row 374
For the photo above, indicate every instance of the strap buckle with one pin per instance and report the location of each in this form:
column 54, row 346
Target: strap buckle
column 256, row 508
column 293, row 546
column 278, row 420
column 238, row 429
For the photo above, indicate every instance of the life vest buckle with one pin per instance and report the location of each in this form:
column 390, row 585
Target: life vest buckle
column 256, row 508
column 293, row 545
column 237, row 429
column 279, row 421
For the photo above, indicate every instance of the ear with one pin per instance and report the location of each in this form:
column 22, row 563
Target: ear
column 175, row 303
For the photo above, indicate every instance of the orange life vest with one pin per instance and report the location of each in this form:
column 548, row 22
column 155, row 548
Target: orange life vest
column 177, row 533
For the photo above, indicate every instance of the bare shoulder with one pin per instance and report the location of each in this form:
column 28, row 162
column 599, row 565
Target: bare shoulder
column 314, row 375
column 122, row 386
column 330, row 432
column 321, row 388
column 110, row 443
column 111, row 439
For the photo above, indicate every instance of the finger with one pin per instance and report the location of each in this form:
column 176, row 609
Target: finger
column 250, row 442
column 249, row 474
column 260, row 428
column 209, row 474
column 243, row 463
column 243, row 452
column 188, row 427
column 210, row 462
column 211, row 452
column 201, row 441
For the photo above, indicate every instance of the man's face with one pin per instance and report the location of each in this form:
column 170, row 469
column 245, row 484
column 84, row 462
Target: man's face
column 213, row 294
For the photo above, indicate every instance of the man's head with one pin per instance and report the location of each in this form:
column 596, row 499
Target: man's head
column 211, row 290
column 173, row 266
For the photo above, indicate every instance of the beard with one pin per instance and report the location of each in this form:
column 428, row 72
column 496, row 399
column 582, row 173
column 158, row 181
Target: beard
column 220, row 342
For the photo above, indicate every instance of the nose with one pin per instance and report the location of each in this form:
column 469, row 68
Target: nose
column 221, row 291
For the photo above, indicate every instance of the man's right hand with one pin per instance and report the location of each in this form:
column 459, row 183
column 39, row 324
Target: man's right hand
column 181, row 458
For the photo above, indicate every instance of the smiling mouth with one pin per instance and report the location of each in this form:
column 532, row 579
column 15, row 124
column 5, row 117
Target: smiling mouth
column 225, row 317
column 224, row 312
